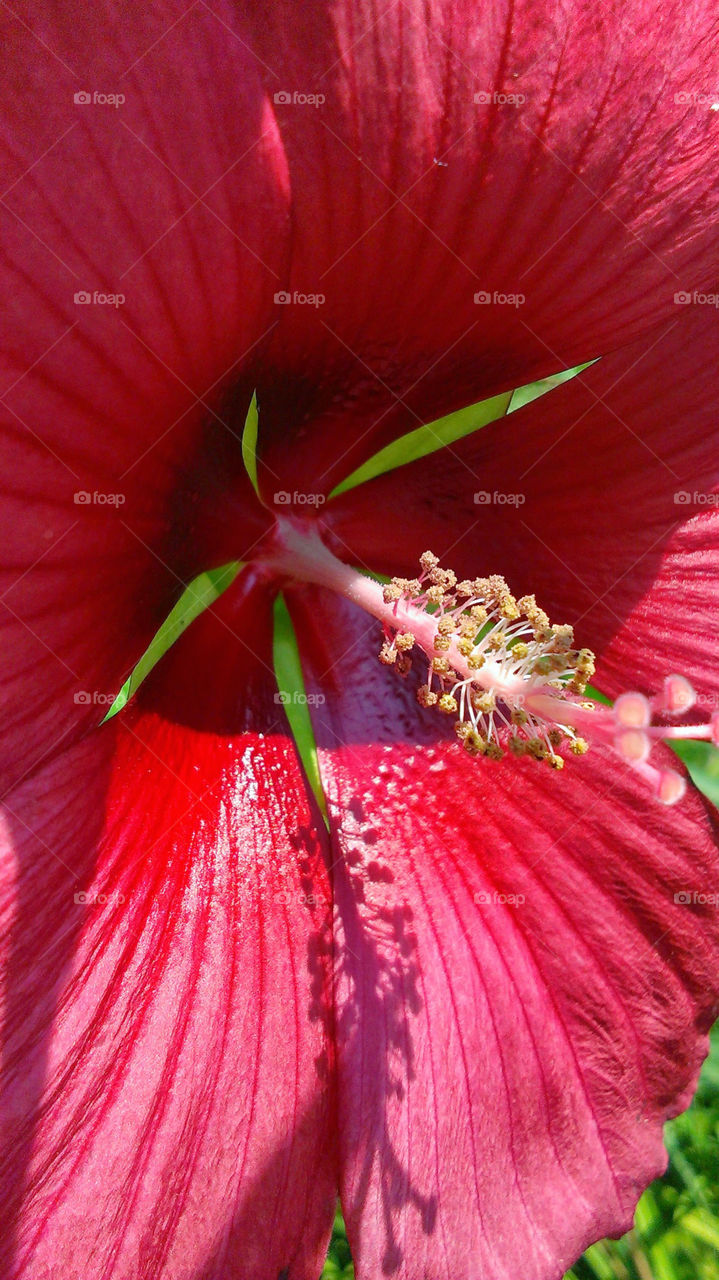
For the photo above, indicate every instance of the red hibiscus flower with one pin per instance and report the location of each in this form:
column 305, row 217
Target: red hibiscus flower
column 473, row 999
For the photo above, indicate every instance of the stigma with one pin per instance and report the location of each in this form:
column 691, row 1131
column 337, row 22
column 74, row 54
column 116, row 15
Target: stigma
column 510, row 680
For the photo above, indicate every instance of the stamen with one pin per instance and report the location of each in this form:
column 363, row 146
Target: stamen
column 510, row 678
column 515, row 680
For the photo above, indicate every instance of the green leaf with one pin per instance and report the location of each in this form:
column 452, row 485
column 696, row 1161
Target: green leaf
column 702, row 761
column 533, row 390
column 198, row 596
column 700, row 1224
column 249, row 441
column 291, row 685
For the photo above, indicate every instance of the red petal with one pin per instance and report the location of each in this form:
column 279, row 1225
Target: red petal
column 119, row 400
column 594, row 197
column 167, row 1080
column 601, row 498
column 521, row 998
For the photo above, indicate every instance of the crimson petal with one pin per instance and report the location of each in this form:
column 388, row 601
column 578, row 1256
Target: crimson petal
column 522, row 996
column 167, row 1067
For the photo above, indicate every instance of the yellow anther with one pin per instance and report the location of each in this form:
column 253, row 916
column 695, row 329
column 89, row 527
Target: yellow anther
column 475, row 661
column 579, row 747
column 555, row 761
column 508, row 607
column 441, row 666
column 527, row 604
column 585, row 662
column 448, row 704
column 443, row 578
column 426, row 697
column 483, row 702
column 388, row 654
column 404, row 640
column 519, row 715
column 428, row 561
column 391, row 592
column 563, row 637
column 446, row 626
